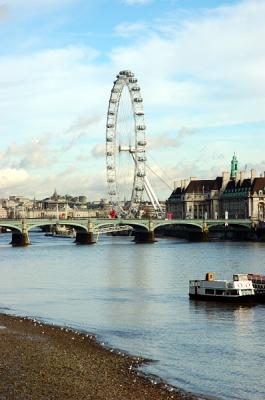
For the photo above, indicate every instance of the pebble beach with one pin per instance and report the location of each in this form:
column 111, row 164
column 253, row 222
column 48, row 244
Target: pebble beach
column 43, row 362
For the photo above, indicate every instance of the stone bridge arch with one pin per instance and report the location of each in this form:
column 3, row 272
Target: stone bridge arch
column 184, row 224
column 67, row 223
column 13, row 228
column 230, row 224
column 136, row 226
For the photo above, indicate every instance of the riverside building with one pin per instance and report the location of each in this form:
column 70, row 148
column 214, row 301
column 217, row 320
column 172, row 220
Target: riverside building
column 230, row 195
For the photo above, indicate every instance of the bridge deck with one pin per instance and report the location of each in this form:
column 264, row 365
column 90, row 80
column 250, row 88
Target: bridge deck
column 91, row 224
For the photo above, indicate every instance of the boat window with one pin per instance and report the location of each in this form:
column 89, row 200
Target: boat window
column 246, row 291
column 209, row 291
column 219, row 292
column 234, row 292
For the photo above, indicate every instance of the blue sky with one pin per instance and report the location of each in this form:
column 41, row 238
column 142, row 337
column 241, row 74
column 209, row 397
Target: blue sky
column 200, row 65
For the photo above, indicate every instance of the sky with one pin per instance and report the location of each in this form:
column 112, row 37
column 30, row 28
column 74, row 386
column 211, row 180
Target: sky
column 200, row 66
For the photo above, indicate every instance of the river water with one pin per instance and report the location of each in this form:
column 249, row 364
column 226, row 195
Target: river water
column 135, row 298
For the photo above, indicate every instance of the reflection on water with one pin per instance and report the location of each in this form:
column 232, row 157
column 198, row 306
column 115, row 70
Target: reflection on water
column 136, row 297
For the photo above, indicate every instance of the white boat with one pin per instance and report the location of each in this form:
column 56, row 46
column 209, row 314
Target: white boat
column 238, row 289
column 61, row 231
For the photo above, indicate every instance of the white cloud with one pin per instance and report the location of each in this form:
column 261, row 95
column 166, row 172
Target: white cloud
column 212, row 64
column 168, row 140
column 83, row 122
column 12, row 177
column 35, row 153
column 80, row 130
column 126, row 29
column 49, row 89
column 74, row 182
column 68, row 180
column 99, row 150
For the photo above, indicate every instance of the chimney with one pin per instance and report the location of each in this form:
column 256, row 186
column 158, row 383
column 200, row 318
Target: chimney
column 242, row 176
column 237, row 176
column 176, row 184
column 186, row 182
column 182, row 183
column 253, row 175
column 225, row 181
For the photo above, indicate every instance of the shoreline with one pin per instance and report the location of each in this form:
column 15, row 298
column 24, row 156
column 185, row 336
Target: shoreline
column 43, row 361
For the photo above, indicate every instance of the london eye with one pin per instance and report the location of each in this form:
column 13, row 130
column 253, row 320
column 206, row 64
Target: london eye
column 125, row 145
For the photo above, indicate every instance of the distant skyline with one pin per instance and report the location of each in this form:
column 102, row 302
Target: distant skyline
column 200, row 66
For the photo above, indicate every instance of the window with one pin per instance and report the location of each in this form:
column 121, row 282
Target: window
column 209, row 291
column 246, row 291
column 219, row 292
column 233, row 292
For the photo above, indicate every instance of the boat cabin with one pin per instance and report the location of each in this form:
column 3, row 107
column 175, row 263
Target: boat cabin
column 211, row 288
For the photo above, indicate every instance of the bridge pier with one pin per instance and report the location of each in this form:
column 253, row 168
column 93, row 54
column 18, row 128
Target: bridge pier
column 205, row 236
column 21, row 239
column 84, row 238
column 199, row 236
column 145, row 236
column 205, row 232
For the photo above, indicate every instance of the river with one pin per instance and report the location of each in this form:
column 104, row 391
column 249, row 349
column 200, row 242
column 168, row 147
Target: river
column 135, row 298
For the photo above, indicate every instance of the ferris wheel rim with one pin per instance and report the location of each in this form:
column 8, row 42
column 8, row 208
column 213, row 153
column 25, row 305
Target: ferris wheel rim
column 126, row 79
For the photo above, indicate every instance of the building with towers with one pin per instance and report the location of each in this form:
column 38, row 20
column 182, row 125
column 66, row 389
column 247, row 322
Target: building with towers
column 232, row 194
column 234, row 166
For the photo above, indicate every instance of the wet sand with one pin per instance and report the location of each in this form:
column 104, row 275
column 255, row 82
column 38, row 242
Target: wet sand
column 44, row 362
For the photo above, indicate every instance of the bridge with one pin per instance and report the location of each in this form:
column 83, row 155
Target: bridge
column 87, row 229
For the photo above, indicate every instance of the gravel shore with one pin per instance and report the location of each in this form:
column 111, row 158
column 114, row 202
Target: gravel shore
column 43, row 362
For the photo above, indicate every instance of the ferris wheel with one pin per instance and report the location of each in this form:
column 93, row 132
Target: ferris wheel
column 126, row 149
column 125, row 145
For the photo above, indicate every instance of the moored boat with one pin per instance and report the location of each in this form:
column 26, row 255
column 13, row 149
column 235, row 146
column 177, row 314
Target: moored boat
column 258, row 282
column 61, row 231
column 238, row 289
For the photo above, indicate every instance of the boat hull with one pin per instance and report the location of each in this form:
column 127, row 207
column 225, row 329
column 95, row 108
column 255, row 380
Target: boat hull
column 260, row 298
column 232, row 299
column 258, row 282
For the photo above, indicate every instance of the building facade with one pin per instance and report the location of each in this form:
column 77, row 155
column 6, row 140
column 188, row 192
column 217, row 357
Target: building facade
column 244, row 197
column 227, row 196
column 195, row 199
